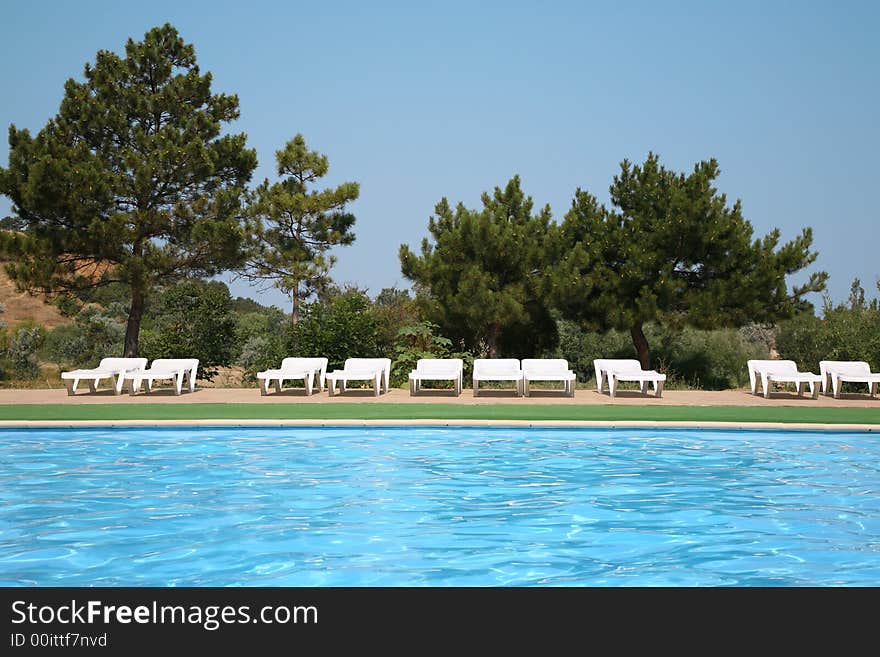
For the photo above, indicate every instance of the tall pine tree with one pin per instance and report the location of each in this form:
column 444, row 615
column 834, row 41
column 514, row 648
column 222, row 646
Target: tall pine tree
column 293, row 227
column 131, row 182
column 480, row 279
column 671, row 251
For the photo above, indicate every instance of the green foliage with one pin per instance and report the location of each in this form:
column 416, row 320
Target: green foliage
column 96, row 333
column 713, row 360
column 192, row 319
column 845, row 332
column 393, row 309
column 18, row 351
column 671, row 251
column 293, row 227
column 480, row 280
column 131, row 182
column 260, row 338
column 341, row 327
column 421, row 340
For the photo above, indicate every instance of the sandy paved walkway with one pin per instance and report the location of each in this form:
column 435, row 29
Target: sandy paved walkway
column 582, row 397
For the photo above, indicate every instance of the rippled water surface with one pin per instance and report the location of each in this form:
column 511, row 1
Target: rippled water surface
column 438, row 506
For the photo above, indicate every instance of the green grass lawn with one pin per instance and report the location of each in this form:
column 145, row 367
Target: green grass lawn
column 346, row 411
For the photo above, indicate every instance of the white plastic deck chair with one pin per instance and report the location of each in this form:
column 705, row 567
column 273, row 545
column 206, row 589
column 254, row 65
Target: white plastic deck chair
column 497, row 369
column 835, row 373
column 548, row 369
column 106, row 369
column 175, row 369
column 377, row 370
column 292, row 369
column 766, row 372
column 437, row 369
column 615, row 370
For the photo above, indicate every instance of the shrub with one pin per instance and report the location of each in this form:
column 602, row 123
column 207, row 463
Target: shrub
column 19, row 357
column 260, row 338
column 689, row 357
column 192, row 319
column 95, row 333
column 845, row 332
column 421, row 341
column 340, row 327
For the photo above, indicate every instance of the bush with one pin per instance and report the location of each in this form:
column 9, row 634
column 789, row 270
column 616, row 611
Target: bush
column 18, row 358
column 192, row 319
column 421, row 341
column 340, row 327
column 95, row 333
column 260, row 338
column 714, row 360
column 845, row 332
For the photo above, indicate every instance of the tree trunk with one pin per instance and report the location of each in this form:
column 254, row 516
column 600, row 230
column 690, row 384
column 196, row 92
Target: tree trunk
column 640, row 342
column 492, row 340
column 133, row 329
column 294, row 315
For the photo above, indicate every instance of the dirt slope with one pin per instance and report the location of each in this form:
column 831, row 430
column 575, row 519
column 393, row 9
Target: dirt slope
column 21, row 306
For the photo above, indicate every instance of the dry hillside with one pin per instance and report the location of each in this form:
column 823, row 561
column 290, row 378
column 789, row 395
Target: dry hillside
column 21, row 306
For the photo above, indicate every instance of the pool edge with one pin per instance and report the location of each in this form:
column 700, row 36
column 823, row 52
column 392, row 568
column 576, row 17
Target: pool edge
column 658, row 424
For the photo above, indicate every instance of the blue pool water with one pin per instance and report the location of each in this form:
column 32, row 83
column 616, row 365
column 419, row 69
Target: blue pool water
column 438, row 506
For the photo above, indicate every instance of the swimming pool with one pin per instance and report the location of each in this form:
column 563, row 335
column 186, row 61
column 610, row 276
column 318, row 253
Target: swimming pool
column 438, row 506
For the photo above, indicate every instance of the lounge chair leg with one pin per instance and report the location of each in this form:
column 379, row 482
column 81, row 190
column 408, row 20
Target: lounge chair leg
column 71, row 386
column 766, row 385
column 837, row 385
column 814, row 390
column 658, row 388
column 377, row 385
column 612, row 385
column 264, row 387
column 644, row 387
column 600, row 380
column 412, row 387
column 93, row 385
column 525, row 387
column 476, row 387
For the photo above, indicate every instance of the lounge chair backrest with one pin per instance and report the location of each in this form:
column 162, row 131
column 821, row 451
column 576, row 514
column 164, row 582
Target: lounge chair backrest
column 845, row 367
column 122, row 364
column 297, row 364
column 544, row 366
column 359, row 364
column 485, row 367
column 439, row 365
column 617, row 364
column 175, row 364
column 773, row 366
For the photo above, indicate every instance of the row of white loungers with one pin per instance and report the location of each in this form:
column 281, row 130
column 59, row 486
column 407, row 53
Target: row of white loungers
column 135, row 370
column 313, row 371
column 833, row 374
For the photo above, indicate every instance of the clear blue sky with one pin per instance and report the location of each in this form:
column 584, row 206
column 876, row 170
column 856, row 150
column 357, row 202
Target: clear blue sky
column 418, row 101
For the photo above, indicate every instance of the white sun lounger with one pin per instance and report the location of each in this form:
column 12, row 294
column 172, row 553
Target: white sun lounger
column 293, row 369
column 497, row 369
column 615, row 370
column 834, row 373
column 766, row 372
column 377, row 370
column 175, row 369
column 437, row 369
column 107, row 369
column 548, row 369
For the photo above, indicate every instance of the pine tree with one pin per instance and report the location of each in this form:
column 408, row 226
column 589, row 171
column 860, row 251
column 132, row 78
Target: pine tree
column 292, row 227
column 672, row 251
column 131, row 182
column 480, row 280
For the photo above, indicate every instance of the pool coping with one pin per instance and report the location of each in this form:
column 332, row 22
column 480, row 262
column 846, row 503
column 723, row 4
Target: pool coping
column 608, row 424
